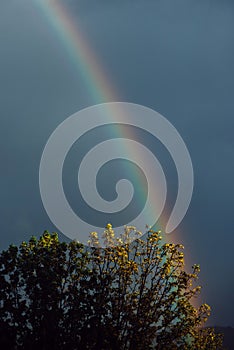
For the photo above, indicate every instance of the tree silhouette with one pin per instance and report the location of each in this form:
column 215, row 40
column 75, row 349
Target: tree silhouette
column 128, row 295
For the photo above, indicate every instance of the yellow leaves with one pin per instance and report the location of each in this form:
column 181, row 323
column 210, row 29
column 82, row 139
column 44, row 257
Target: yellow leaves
column 152, row 255
column 94, row 235
column 138, row 254
column 205, row 308
column 180, row 246
column 196, row 268
column 109, row 236
column 132, row 265
column 141, row 280
column 122, row 253
column 128, row 267
column 146, row 260
column 181, row 258
column 197, row 289
column 119, row 241
column 166, row 269
column 94, row 240
column 110, row 239
column 155, row 234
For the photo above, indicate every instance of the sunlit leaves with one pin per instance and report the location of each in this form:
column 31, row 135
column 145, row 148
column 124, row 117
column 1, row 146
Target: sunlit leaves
column 133, row 294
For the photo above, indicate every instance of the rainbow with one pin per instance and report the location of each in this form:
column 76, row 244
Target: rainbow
column 82, row 57
column 87, row 64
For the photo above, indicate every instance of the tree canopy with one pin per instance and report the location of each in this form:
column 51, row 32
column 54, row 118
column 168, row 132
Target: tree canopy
column 128, row 295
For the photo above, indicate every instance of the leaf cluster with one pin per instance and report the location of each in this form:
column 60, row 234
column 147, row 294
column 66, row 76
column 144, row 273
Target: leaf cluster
column 128, row 295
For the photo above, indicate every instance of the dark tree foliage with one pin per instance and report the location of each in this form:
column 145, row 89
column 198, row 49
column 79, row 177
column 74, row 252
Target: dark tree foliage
column 129, row 295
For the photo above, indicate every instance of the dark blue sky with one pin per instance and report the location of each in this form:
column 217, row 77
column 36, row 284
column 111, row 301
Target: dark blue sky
column 175, row 56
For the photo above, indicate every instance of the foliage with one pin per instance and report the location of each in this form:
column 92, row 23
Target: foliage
column 128, row 295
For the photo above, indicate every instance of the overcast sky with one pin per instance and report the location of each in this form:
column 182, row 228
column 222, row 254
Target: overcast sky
column 175, row 56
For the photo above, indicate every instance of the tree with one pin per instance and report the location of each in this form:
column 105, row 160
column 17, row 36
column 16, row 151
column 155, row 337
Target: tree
column 128, row 295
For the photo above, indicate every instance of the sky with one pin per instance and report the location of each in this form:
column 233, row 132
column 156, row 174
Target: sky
column 176, row 57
